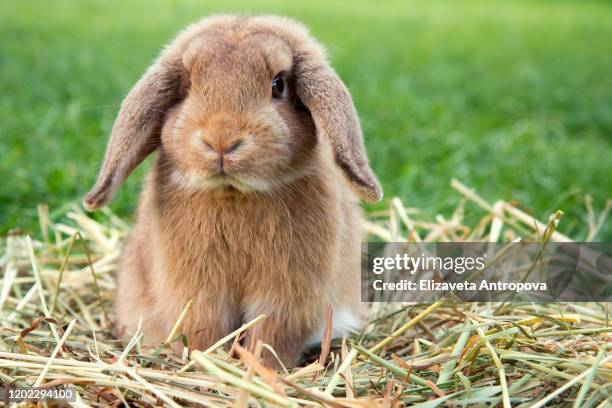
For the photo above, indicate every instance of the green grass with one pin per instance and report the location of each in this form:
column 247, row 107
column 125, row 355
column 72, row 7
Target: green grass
column 513, row 98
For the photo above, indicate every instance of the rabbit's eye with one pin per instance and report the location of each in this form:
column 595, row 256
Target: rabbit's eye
column 278, row 86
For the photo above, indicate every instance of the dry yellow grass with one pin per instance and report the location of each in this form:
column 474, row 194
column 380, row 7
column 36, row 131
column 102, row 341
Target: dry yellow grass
column 55, row 306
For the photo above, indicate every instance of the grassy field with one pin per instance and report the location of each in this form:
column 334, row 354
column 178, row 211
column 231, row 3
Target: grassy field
column 513, row 98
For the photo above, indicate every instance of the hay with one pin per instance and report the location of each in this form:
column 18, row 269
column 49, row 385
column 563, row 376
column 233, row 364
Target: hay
column 56, row 329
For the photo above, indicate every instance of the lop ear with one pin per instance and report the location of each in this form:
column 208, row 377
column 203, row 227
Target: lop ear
column 331, row 106
column 136, row 132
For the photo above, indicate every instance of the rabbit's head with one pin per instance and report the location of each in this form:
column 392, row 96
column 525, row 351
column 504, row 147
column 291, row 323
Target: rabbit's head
column 237, row 103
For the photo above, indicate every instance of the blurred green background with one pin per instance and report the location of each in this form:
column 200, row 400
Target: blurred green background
column 513, row 98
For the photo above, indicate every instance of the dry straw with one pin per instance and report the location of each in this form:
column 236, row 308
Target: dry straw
column 55, row 306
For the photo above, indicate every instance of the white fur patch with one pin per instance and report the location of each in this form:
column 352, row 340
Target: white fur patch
column 344, row 322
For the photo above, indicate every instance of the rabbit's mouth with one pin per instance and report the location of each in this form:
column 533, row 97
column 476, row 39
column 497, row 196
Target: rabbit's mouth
column 226, row 181
column 220, row 181
column 223, row 179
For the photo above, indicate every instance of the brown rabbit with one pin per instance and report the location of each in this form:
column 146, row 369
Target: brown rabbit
column 250, row 207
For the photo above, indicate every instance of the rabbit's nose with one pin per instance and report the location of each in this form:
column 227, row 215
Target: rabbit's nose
column 223, row 148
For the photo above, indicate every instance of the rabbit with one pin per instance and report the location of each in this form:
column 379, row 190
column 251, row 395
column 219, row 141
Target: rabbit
column 252, row 203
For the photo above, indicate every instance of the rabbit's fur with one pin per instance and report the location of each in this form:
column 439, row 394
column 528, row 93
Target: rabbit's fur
column 251, row 205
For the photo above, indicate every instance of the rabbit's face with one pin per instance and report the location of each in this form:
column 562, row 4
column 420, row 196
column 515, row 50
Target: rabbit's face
column 241, row 125
column 238, row 101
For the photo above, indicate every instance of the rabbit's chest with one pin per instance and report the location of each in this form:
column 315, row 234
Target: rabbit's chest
column 231, row 234
column 259, row 235
column 240, row 243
